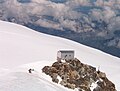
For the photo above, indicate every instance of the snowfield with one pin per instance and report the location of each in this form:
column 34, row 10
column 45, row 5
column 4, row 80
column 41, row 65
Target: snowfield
column 22, row 48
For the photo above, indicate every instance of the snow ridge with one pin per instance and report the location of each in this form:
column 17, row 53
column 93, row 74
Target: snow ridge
column 20, row 45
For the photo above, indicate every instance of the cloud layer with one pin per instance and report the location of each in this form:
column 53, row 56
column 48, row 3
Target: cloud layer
column 98, row 16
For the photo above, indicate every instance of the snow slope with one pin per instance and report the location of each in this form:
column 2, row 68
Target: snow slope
column 22, row 48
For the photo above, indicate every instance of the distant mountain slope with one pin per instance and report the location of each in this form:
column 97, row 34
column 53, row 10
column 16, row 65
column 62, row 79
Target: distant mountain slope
column 95, row 23
column 20, row 45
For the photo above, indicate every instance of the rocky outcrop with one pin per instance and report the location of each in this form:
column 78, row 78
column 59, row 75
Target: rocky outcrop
column 75, row 74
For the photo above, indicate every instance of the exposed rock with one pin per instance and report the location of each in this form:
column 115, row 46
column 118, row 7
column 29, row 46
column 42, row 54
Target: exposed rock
column 75, row 74
column 54, row 77
column 70, row 85
column 106, row 85
column 46, row 70
column 98, row 88
column 101, row 75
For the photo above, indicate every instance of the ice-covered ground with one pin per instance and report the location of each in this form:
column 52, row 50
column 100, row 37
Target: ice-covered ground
column 22, row 48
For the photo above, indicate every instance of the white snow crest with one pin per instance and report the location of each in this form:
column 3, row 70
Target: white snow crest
column 22, row 46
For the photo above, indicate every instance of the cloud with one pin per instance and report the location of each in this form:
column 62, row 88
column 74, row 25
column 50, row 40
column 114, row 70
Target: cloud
column 65, row 13
column 104, row 14
column 108, row 13
column 96, row 14
column 114, row 24
column 79, row 3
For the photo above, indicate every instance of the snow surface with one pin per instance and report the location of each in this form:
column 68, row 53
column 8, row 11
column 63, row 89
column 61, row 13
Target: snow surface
column 22, row 48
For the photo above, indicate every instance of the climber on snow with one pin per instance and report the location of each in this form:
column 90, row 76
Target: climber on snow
column 30, row 70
